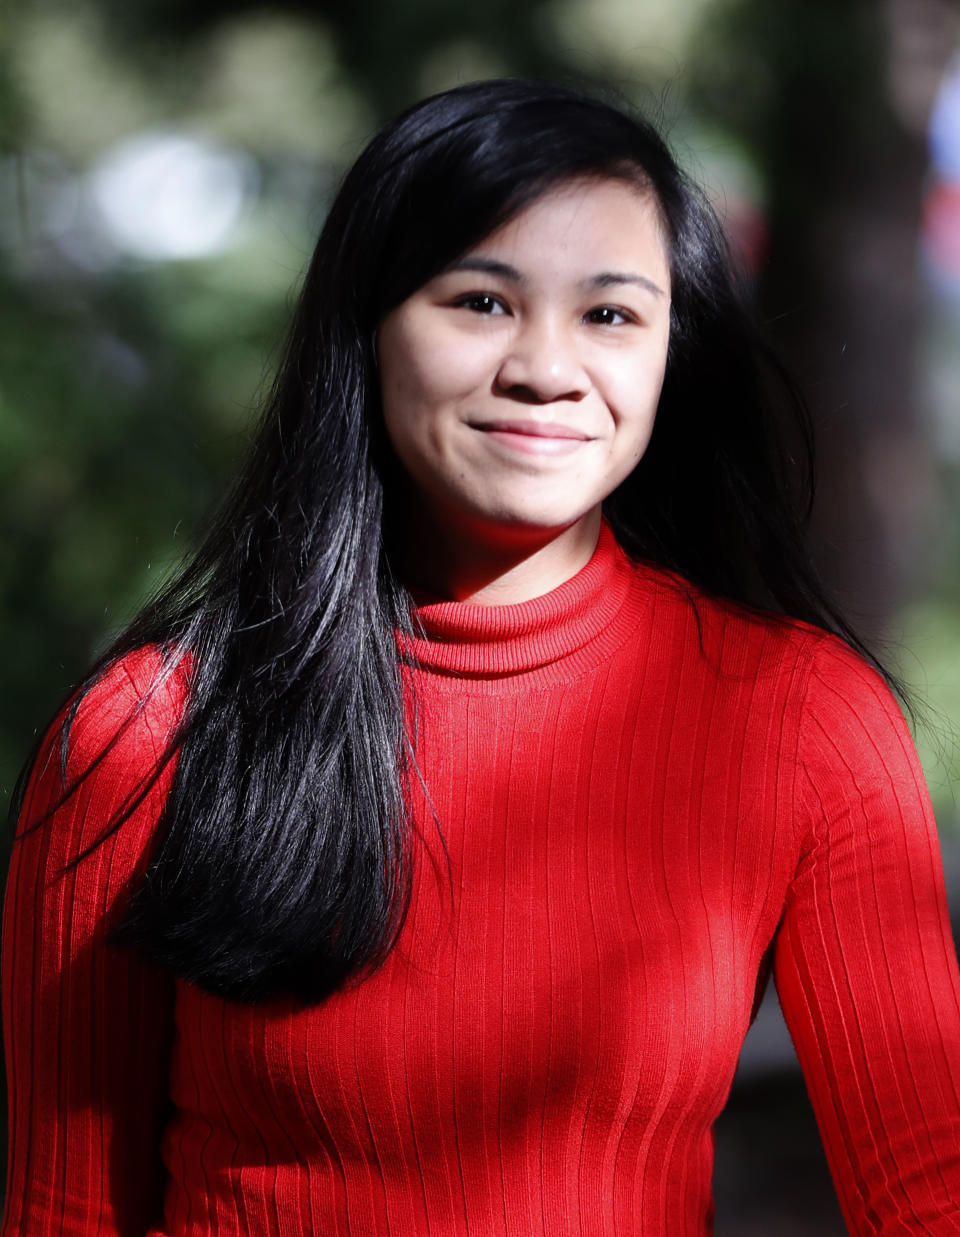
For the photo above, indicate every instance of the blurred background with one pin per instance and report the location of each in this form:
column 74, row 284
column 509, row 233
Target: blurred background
column 165, row 166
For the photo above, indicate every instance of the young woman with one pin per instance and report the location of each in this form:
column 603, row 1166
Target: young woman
column 416, row 861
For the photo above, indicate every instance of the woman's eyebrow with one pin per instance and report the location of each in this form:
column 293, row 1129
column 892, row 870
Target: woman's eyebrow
column 488, row 266
column 610, row 279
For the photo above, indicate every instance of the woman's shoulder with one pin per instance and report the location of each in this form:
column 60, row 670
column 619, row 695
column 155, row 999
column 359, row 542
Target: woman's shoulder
column 128, row 714
column 724, row 625
column 729, row 640
column 107, row 757
column 834, row 712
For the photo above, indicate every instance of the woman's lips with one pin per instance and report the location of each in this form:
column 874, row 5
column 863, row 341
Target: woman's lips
column 535, row 437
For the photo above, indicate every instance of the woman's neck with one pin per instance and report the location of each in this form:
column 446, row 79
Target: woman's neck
column 443, row 562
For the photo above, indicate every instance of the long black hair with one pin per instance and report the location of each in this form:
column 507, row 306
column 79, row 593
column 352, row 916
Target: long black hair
column 283, row 857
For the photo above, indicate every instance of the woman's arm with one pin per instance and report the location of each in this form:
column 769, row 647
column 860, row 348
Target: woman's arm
column 864, row 962
column 87, row 1026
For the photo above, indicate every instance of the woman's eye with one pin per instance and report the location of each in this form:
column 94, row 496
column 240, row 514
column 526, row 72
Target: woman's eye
column 481, row 303
column 608, row 315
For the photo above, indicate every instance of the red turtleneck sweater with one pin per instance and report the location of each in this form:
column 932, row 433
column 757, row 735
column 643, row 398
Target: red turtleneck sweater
column 643, row 805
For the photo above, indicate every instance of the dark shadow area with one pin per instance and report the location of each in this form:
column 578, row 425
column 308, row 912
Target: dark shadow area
column 771, row 1176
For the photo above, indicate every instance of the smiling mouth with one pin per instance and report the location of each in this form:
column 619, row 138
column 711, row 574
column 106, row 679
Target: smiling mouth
column 534, row 437
column 532, row 429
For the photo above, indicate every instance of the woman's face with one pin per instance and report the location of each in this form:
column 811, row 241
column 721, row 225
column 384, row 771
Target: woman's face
column 520, row 385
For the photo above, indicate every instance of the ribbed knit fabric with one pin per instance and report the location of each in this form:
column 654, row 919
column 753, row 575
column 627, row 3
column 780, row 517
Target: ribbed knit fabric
column 643, row 804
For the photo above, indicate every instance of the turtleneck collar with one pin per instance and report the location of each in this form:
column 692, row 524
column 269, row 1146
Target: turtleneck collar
column 556, row 631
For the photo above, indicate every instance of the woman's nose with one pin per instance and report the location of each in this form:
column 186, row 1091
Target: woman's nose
column 542, row 365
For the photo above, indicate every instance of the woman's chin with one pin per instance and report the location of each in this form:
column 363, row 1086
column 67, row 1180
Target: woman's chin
column 523, row 522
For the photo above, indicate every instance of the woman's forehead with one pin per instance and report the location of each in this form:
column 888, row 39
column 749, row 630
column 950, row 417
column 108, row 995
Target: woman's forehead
column 588, row 224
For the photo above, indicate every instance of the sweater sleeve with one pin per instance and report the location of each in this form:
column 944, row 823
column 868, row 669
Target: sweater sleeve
column 87, row 1026
column 864, row 962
